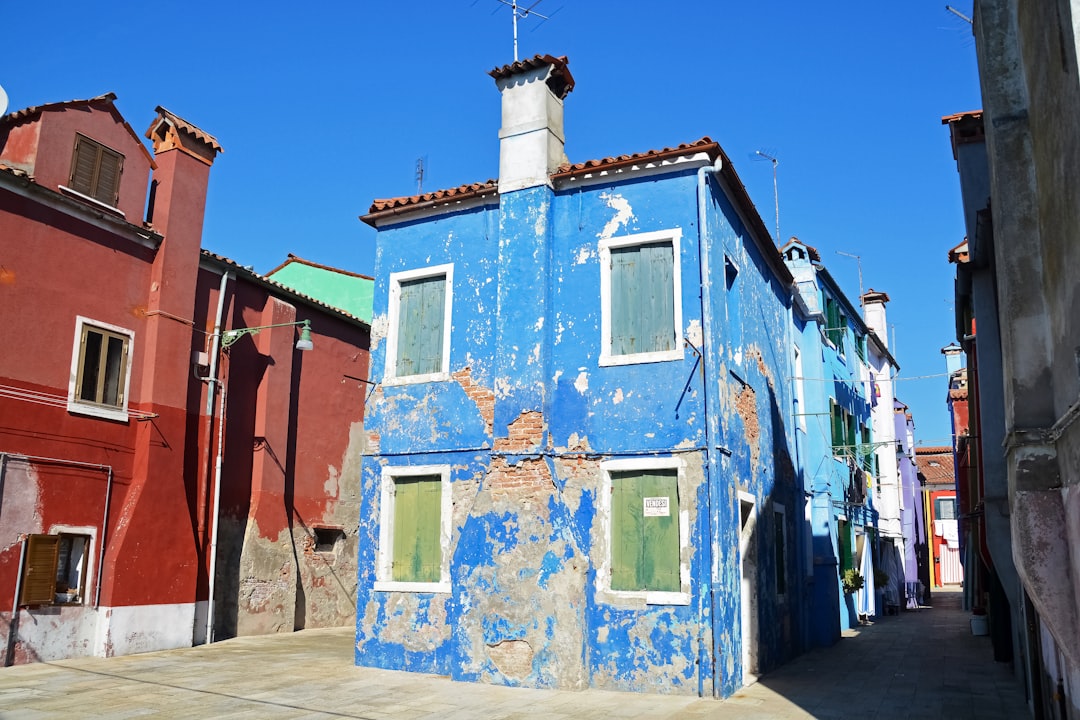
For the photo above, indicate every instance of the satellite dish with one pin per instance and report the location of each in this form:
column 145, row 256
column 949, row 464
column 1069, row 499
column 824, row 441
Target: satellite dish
column 3, row 101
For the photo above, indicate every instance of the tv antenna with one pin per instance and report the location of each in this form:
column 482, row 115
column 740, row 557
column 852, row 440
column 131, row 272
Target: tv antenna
column 759, row 155
column 518, row 12
column 959, row 14
column 420, row 162
column 858, row 260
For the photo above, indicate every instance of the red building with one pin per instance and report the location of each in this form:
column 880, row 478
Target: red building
column 939, row 489
column 132, row 389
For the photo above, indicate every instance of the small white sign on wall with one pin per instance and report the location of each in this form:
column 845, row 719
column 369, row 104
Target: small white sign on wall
column 657, row 507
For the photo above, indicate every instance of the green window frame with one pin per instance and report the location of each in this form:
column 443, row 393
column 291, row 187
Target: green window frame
column 640, row 290
column 838, row 428
column 418, row 339
column 414, row 529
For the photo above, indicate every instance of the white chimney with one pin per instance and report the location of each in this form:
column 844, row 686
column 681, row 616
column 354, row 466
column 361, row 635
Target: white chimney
column 531, row 139
column 873, row 303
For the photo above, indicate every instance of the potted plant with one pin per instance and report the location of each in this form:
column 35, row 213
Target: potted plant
column 852, row 580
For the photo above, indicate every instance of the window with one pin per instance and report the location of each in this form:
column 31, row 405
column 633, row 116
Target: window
column 860, row 347
column 54, row 569
column 640, row 284
column 945, row 508
column 100, row 370
column 839, row 429
column 779, row 521
column 95, row 171
column 648, row 532
column 418, row 339
column 414, row 529
column 835, row 324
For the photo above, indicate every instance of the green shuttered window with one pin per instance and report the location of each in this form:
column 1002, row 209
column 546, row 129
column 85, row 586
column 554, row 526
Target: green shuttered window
column 417, row 511
column 640, row 286
column 645, row 546
column 418, row 337
column 420, row 326
column 642, row 299
column 414, row 524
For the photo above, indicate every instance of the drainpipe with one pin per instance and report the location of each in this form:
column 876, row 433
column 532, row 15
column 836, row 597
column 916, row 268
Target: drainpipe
column 712, row 474
column 214, row 381
column 101, row 543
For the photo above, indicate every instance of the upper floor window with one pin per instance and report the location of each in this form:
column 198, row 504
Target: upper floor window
column 95, row 170
column 418, row 338
column 945, row 508
column 835, row 324
column 640, row 284
column 100, row 370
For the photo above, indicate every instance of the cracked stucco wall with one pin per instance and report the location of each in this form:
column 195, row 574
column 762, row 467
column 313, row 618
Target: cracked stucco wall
column 524, row 421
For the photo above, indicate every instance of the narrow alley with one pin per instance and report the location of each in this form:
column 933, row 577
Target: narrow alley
column 923, row 664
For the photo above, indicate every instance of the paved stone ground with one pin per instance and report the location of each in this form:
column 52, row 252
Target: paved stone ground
column 923, row 665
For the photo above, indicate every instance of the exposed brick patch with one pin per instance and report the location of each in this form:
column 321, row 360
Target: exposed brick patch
column 746, row 406
column 528, row 474
column 484, row 398
column 373, row 439
column 524, row 434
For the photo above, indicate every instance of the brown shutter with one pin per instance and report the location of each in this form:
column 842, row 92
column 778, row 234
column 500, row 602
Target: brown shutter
column 83, row 164
column 39, row 570
column 108, row 184
column 96, row 170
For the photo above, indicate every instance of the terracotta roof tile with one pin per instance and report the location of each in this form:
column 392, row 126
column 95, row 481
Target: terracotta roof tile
column 958, row 394
column 457, row 194
column 936, row 467
column 290, row 259
column 561, row 81
column 960, row 253
column 705, row 144
column 184, row 126
column 16, row 116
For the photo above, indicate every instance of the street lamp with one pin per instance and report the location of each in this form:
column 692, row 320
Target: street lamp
column 229, row 337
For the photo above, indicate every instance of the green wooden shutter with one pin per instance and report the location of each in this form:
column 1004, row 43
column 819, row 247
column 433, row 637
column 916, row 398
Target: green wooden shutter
column 644, row 550
column 658, row 316
column 625, row 283
column 417, row 555
column 433, row 297
column 844, row 542
column 626, row 532
column 421, row 310
column 837, row 429
column 660, row 550
column 39, row 570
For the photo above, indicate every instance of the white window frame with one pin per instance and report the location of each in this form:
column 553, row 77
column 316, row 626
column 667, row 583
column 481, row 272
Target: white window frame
column 674, row 236
column 82, row 407
column 385, row 556
column 603, row 578
column 779, row 509
column 89, row 555
column 390, row 376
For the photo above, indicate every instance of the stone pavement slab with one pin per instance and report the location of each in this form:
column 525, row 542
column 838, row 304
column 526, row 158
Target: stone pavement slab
column 923, row 664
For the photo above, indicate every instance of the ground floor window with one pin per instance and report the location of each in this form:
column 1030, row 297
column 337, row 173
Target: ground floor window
column 54, row 569
column 414, row 529
column 647, row 531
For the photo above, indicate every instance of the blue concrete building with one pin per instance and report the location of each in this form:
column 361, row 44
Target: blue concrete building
column 835, row 395
column 580, row 469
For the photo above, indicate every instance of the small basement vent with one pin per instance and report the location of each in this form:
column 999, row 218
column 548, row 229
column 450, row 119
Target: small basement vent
column 326, row 539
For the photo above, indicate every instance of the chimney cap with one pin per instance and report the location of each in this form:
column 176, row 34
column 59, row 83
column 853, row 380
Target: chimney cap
column 169, row 131
column 874, row 296
column 559, row 80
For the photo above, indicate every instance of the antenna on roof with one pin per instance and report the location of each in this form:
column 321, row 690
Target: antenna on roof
column 518, row 12
column 420, row 161
column 759, row 155
column 858, row 259
column 958, row 14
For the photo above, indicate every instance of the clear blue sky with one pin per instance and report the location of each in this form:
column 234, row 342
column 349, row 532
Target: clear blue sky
column 322, row 107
